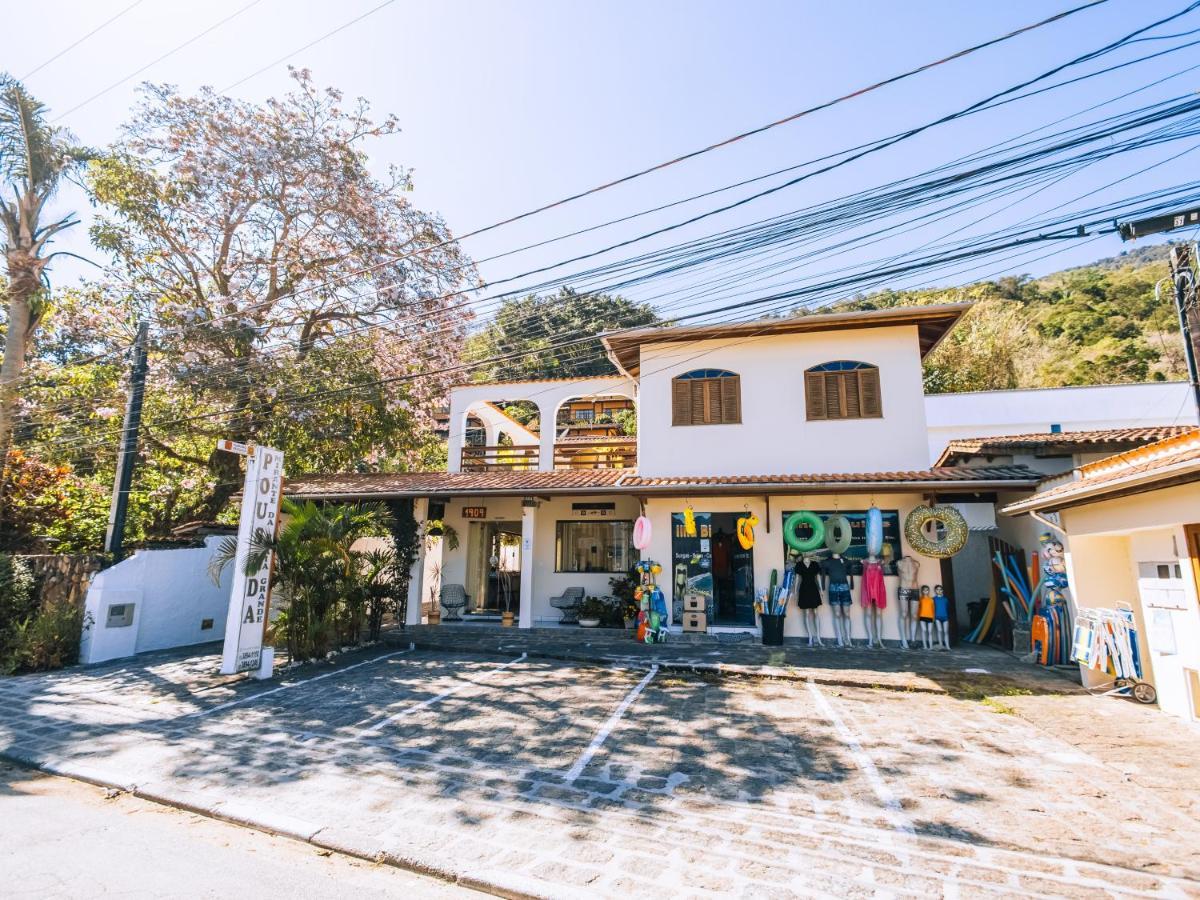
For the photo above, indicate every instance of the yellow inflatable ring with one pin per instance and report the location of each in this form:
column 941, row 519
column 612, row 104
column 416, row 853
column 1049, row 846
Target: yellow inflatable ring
column 745, row 530
column 949, row 518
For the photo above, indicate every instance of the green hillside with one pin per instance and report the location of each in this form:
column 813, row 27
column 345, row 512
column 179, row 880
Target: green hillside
column 1096, row 324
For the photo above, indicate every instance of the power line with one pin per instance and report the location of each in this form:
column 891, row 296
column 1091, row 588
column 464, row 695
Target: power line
column 70, row 47
column 312, row 43
column 116, row 84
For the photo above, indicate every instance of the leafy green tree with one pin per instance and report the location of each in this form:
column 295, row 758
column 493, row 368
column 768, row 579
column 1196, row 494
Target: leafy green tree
column 35, row 158
column 297, row 294
column 528, row 328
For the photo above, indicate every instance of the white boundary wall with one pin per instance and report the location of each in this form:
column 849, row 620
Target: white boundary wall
column 172, row 597
column 988, row 413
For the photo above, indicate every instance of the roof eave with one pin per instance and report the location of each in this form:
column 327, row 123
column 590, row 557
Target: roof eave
column 1168, row 476
column 779, row 487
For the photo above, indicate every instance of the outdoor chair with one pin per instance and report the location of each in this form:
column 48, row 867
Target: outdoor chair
column 569, row 603
column 454, row 600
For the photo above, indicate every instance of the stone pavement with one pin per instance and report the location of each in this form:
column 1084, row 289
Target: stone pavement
column 966, row 670
column 546, row 777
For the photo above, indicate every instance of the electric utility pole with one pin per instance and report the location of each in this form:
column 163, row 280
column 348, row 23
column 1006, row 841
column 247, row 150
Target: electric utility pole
column 1183, row 265
column 114, row 540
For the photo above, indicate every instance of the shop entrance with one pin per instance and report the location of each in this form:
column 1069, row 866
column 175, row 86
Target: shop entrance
column 494, row 567
column 712, row 563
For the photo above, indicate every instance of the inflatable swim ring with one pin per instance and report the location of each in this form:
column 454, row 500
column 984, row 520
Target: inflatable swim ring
column 951, row 520
column 641, row 533
column 874, row 532
column 838, row 533
column 792, row 525
column 689, row 521
column 745, row 530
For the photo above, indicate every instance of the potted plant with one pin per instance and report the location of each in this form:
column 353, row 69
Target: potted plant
column 591, row 611
column 629, row 612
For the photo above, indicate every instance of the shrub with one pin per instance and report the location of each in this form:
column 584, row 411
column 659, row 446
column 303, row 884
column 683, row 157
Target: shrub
column 47, row 640
column 18, row 597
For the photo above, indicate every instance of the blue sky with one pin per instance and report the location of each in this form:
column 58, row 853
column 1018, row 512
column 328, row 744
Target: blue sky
column 505, row 106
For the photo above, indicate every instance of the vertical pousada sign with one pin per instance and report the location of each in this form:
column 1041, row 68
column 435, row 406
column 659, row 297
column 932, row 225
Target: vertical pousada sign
column 250, row 591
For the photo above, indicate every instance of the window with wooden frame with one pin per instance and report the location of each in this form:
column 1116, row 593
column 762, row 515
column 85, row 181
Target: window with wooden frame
column 842, row 390
column 706, row 397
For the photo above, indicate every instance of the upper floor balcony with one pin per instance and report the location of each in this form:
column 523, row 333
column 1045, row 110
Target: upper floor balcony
column 543, row 425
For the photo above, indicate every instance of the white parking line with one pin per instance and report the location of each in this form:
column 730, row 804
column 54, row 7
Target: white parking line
column 425, row 704
column 292, row 684
column 895, row 812
column 606, row 729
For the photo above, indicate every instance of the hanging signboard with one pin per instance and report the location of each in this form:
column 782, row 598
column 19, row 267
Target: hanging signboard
column 250, row 592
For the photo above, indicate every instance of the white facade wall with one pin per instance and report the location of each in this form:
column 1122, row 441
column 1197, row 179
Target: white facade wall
column 774, row 436
column 988, row 413
column 172, row 596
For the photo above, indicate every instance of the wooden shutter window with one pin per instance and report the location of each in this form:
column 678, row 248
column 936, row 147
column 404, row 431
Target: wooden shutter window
column 843, row 393
column 706, row 401
column 814, row 395
column 681, row 402
column 731, row 399
column 868, row 386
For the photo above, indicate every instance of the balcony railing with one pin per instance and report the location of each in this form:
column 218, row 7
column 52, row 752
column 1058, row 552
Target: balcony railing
column 573, row 453
column 480, row 459
column 596, row 453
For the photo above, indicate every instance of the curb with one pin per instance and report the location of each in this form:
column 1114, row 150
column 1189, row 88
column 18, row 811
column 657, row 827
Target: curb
column 287, row 827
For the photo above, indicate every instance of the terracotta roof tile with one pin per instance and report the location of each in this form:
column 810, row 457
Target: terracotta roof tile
column 1044, row 443
column 934, row 475
column 570, row 480
column 1158, row 461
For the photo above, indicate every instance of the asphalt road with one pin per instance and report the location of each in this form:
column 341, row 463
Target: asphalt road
column 63, row 838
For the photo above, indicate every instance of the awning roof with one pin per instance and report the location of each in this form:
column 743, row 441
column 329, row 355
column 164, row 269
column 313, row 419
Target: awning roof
column 1173, row 461
column 1064, row 443
column 626, row 481
column 933, row 323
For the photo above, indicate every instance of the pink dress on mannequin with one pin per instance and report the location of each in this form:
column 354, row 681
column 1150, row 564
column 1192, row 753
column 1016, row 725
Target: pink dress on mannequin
column 874, row 592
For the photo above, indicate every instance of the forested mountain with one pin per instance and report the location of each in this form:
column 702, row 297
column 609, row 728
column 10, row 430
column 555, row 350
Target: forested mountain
column 1096, row 324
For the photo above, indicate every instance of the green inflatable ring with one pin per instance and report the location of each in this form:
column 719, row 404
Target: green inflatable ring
column 792, row 524
column 838, row 534
column 951, row 520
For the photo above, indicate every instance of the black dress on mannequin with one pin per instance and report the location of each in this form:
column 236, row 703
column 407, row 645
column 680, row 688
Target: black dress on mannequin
column 808, row 591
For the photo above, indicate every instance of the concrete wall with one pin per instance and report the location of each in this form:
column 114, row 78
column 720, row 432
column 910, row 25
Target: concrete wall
column 774, row 435
column 984, row 413
column 172, row 596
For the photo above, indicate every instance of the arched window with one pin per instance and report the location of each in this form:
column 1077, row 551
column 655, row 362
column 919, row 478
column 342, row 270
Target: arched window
column 706, row 397
column 842, row 390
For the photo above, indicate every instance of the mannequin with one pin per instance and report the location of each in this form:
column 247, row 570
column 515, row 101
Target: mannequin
column 837, row 581
column 808, row 596
column 909, row 570
column 873, row 597
column 941, row 617
column 925, row 617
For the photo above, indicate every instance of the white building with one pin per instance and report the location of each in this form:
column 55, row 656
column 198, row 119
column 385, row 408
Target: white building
column 824, row 413
column 1130, row 526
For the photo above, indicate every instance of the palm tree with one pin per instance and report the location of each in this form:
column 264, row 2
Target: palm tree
column 318, row 573
column 35, row 158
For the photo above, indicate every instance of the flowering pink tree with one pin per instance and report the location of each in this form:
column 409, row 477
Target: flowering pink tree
column 283, row 279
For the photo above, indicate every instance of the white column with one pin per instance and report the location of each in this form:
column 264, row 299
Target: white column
column 416, row 581
column 528, row 524
column 546, row 441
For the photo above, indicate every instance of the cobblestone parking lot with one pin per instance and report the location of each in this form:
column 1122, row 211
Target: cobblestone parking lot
column 556, row 778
